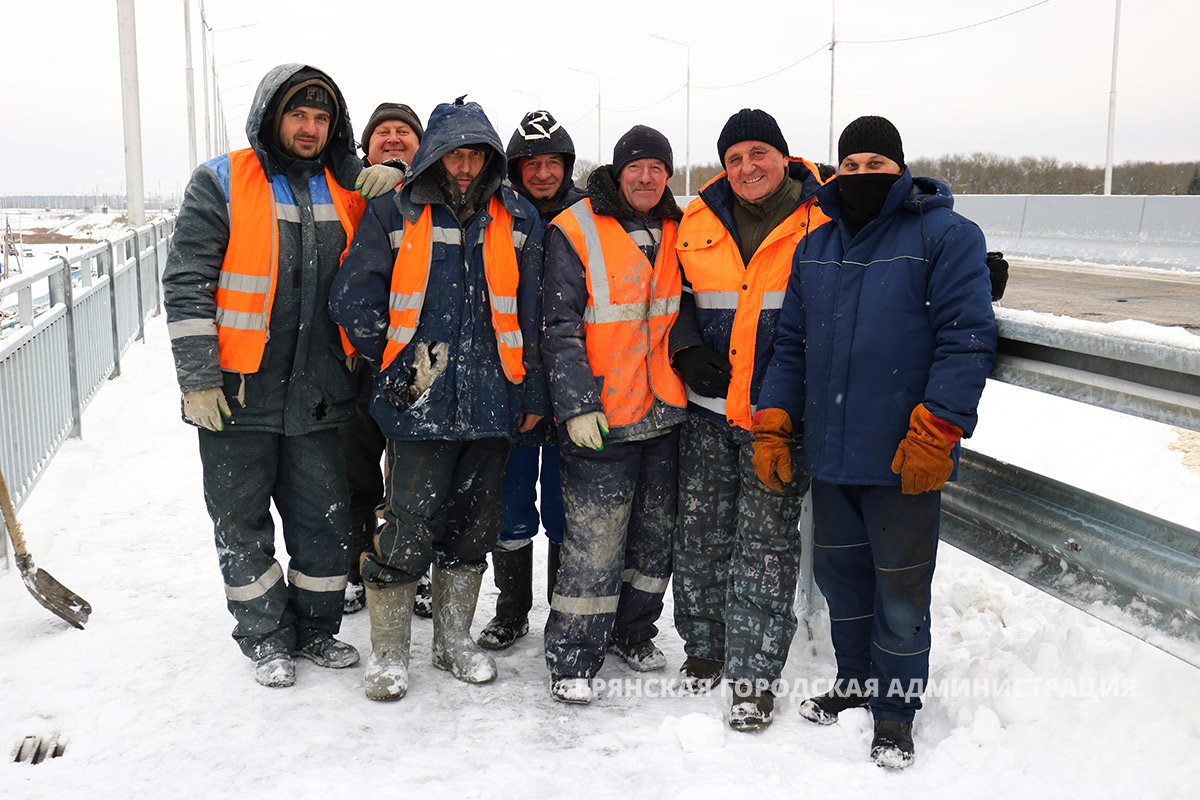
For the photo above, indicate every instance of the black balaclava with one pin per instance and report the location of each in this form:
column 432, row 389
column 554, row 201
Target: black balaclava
column 864, row 194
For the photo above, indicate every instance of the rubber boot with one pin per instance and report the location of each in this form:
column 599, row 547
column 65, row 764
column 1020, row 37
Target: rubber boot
column 553, row 559
column 514, row 579
column 390, row 607
column 362, row 535
column 455, row 592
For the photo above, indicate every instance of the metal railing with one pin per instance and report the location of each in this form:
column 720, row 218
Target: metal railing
column 73, row 322
column 1131, row 569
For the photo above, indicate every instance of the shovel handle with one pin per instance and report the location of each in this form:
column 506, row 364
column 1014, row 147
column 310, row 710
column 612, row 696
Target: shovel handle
column 10, row 519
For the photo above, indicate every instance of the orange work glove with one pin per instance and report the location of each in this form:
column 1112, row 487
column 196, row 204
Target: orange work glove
column 772, row 458
column 923, row 460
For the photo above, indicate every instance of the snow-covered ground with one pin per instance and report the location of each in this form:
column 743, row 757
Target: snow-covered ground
column 1035, row 699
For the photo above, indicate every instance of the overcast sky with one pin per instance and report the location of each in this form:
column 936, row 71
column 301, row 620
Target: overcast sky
column 1033, row 83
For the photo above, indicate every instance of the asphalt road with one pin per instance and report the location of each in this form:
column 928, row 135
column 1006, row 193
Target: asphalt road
column 1105, row 294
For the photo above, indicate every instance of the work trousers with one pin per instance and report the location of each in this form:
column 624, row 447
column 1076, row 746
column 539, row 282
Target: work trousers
column 244, row 472
column 616, row 555
column 874, row 551
column 524, row 515
column 442, row 505
column 363, row 445
column 737, row 553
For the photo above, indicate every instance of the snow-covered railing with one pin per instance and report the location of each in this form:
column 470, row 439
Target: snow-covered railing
column 75, row 319
column 1131, row 569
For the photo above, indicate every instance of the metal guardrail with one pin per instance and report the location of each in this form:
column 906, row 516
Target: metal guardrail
column 1134, row 570
column 58, row 355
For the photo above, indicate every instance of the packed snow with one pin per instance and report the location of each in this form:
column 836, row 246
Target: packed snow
column 1029, row 697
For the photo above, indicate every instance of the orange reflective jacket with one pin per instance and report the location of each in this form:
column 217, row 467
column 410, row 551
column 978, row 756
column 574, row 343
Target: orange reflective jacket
column 721, row 282
column 246, row 288
column 631, row 307
column 410, row 276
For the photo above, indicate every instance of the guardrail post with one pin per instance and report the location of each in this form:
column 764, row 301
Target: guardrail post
column 111, row 270
column 137, row 260
column 158, row 267
column 62, row 291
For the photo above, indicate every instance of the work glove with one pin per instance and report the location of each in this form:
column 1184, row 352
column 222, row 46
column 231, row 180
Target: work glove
column 588, row 430
column 206, row 407
column 704, row 370
column 772, row 430
column 998, row 268
column 923, row 460
column 377, row 179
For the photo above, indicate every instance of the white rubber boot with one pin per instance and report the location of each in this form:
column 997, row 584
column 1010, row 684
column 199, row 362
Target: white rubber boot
column 391, row 609
column 454, row 594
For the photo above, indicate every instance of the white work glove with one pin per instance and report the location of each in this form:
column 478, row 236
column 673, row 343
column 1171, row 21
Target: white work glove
column 205, row 407
column 375, row 180
column 588, row 430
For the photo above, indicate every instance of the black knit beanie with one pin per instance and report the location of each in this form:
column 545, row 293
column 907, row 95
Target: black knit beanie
column 642, row 142
column 386, row 111
column 751, row 125
column 871, row 135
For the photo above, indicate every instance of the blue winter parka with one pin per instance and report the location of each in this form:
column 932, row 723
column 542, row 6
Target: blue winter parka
column 470, row 397
column 876, row 323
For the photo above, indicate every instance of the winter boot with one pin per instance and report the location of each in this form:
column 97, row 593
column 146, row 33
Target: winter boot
column 699, row 675
column 362, row 532
column 455, row 592
column 892, row 745
column 752, row 709
column 423, row 604
column 275, row 669
column 514, row 579
column 567, row 689
column 553, row 559
column 326, row 651
column 824, row 709
column 390, row 606
column 640, row 656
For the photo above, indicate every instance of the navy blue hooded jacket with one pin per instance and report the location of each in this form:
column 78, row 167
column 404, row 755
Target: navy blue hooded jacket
column 470, row 398
column 876, row 323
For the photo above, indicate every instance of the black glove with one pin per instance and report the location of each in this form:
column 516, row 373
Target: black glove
column 704, row 370
column 999, row 270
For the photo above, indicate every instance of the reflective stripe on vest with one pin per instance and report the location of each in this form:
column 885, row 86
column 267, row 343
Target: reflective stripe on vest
column 709, row 257
column 410, row 277
column 631, row 307
column 246, row 286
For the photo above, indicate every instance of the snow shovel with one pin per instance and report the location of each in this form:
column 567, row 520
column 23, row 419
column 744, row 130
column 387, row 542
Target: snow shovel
column 41, row 584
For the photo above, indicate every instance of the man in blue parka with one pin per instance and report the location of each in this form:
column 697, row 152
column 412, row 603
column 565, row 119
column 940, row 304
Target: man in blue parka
column 440, row 292
column 886, row 339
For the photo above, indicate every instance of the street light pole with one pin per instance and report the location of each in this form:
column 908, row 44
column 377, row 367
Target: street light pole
column 687, row 181
column 832, row 63
column 599, row 148
column 131, row 113
column 1112, row 106
column 204, row 29
column 191, row 84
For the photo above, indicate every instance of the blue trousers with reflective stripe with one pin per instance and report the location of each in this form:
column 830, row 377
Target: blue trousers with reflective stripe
column 244, row 472
column 874, row 551
column 616, row 555
column 522, row 478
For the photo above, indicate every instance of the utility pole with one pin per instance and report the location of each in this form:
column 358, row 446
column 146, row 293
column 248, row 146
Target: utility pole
column 191, row 83
column 687, row 181
column 599, row 156
column 1112, row 106
column 131, row 113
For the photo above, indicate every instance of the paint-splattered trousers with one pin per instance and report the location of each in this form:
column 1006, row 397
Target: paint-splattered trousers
column 244, row 472
column 442, row 504
column 874, row 551
column 737, row 553
column 616, row 553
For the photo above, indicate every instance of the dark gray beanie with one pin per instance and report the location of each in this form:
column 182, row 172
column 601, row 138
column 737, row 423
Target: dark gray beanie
column 871, row 135
column 386, row 111
column 641, row 141
column 751, row 125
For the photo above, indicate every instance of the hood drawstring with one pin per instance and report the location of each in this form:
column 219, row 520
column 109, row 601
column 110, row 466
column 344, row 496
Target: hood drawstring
column 924, row 244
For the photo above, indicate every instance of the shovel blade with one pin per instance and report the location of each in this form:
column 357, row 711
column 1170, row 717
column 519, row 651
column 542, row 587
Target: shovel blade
column 57, row 598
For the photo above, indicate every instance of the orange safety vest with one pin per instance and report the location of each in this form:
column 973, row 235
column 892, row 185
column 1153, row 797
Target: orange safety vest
column 709, row 257
column 410, row 277
column 246, row 287
column 631, row 307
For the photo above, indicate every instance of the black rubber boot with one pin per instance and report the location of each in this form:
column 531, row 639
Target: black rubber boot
column 892, row 745
column 514, row 578
column 553, row 559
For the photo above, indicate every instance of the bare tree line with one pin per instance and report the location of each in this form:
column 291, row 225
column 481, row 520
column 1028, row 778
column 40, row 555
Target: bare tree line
column 989, row 173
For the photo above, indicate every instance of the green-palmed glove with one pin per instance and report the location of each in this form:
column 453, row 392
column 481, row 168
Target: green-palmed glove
column 588, row 430
column 206, row 407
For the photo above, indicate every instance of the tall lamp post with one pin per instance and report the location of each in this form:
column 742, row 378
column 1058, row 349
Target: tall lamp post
column 599, row 158
column 1112, row 106
column 687, row 181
